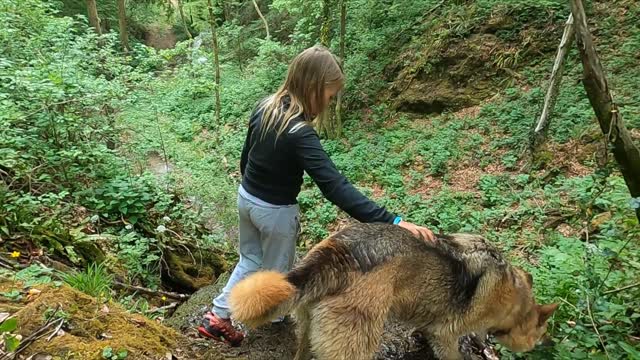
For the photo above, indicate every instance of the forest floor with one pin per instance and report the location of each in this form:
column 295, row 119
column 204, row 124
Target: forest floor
column 93, row 328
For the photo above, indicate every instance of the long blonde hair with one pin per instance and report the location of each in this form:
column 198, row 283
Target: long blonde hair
column 309, row 74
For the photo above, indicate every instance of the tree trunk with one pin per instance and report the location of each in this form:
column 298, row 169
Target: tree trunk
column 122, row 22
column 212, row 20
column 343, row 30
column 266, row 25
column 226, row 11
column 343, row 26
column 184, row 22
column 610, row 119
column 325, row 30
column 94, row 20
column 327, row 126
column 540, row 132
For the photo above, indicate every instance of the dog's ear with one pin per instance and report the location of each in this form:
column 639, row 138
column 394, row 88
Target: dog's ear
column 529, row 279
column 545, row 312
column 521, row 279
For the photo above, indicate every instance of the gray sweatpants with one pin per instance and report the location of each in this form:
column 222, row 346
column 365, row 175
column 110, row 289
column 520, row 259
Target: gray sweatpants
column 268, row 235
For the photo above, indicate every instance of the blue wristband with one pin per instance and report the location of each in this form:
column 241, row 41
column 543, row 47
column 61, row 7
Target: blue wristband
column 397, row 220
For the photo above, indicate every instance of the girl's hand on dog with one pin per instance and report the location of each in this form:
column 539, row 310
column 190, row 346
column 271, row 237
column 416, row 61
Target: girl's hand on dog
column 419, row 231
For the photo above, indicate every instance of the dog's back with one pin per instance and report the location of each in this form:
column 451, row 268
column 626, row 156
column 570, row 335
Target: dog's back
column 335, row 262
column 363, row 247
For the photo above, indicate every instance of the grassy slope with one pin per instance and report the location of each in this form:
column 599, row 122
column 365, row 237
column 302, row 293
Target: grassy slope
column 454, row 172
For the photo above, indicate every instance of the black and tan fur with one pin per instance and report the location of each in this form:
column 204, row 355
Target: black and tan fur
column 349, row 284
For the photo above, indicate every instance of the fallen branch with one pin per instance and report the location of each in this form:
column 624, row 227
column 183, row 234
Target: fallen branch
column 595, row 327
column 162, row 308
column 148, row 291
column 621, row 289
column 10, row 265
column 5, row 264
column 56, row 330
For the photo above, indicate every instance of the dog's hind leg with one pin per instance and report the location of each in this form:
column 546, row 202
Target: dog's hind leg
column 345, row 333
column 349, row 326
column 303, row 320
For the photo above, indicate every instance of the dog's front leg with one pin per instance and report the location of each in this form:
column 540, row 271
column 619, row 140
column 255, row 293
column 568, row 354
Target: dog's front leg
column 445, row 347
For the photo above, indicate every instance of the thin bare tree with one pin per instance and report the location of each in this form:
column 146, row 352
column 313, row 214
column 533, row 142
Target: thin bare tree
column 122, row 23
column 264, row 20
column 325, row 30
column 184, row 22
column 343, row 30
column 212, row 21
column 539, row 133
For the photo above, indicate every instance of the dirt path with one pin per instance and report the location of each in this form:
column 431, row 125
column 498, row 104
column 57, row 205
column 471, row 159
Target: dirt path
column 157, row 165
column 160, row 36
column 278, row 341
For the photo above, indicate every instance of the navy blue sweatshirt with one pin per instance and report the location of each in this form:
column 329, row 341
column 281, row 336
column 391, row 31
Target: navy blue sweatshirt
column 272, row 170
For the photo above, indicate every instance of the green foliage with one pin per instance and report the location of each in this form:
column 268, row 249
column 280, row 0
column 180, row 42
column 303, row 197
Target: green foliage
column 135, row 304
column 51, row 315
column 317, row 217
column 12, row 295
column 140, row 256
column 53, row 127
column 35, row 275
column 439, row 150
column 27, row 278
column 110, row 354
column 580, row 273
column 95, row 281
column 122, row 197
column 63, row 173
column 9, row 325
column 11, row 342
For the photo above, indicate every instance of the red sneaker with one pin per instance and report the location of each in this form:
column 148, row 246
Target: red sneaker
column 217, row 328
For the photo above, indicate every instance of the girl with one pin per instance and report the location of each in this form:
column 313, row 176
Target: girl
column 281, row 143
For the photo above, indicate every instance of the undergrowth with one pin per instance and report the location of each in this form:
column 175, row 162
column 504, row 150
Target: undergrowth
column 94, row 281
column 390, row 155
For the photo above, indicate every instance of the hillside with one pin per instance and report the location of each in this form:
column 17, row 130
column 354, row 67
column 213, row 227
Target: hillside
column 117, row 158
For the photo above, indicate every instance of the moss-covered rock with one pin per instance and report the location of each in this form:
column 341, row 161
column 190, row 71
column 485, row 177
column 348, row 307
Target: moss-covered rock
column 460, row 61
column 189, row 313
column 188, row 271
column 91, row 326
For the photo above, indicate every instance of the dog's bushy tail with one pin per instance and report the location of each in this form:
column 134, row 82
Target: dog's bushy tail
column 266, row 295
column 261, row 297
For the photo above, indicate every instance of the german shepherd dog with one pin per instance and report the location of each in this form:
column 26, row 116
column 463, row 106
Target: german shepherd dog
column 347, row 286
